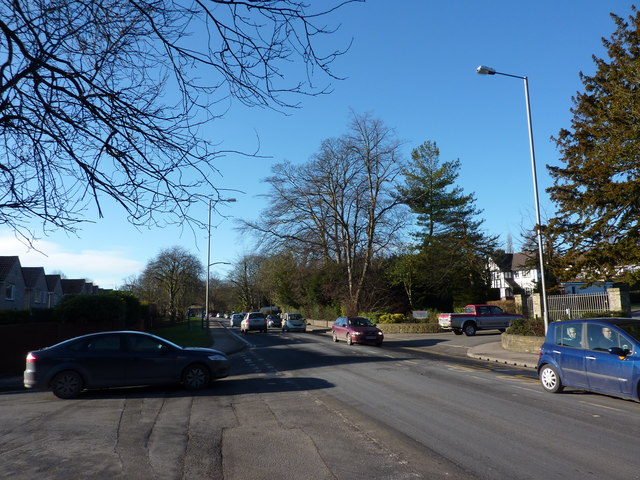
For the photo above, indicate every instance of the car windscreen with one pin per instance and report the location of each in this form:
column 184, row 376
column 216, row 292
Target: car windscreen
column 360, row 322
column 633, row 329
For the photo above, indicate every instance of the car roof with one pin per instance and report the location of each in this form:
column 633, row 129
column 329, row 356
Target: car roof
column 610, row 320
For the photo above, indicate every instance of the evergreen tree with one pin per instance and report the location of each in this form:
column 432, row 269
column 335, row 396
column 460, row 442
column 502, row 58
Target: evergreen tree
column 597, row 190
column 451, row 264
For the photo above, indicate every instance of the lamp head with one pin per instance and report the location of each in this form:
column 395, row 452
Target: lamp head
column 484, row 70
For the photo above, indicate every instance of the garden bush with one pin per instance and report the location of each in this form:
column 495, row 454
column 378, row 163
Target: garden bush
column 392, row 318
column 527, row 327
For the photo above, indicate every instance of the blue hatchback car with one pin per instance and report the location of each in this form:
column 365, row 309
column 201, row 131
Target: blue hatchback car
column 599, row 354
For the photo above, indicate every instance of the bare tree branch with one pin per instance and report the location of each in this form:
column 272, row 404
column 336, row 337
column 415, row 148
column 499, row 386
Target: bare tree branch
column 106, row 101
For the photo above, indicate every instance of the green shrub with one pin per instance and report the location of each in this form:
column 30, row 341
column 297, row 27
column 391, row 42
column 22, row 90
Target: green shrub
column 135, row 313
column 618, row 313
column 409, row 327
column 527, row 327
column 9, row 317
column 92, row 309
column 392, row 318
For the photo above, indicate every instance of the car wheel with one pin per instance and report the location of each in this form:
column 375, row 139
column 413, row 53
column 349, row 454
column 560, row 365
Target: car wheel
column 349, row 340
column 469, row 329
column 67, row 384
column 335, row 337
column 458, row 332
column 196, row 377
column 550, row 379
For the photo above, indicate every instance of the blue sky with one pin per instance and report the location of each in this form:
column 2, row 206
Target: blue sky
column 412, row 65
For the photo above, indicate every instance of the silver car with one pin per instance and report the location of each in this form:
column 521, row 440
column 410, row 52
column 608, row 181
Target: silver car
column 293, row 322
column 254, row 321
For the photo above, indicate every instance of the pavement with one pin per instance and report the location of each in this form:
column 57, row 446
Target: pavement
column 230, row 342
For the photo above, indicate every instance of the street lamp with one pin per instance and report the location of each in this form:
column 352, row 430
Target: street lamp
column 206, row 300
column 484, row 70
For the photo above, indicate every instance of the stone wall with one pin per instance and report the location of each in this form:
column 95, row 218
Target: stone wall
column 521, row 343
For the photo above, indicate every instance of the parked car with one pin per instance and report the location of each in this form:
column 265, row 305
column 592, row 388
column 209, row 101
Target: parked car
column 253, row 321
column 118, row 359
column 356, row 330
column 236, row 319
column 293, row 322
column 598, row 354
column 274, row 320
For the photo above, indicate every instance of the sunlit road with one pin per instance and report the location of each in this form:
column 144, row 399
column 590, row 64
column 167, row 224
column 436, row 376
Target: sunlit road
column 298, row 406
column 492, row 421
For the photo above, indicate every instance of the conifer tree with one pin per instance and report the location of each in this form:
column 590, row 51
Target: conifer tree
column 452, row 248
column 597, row 189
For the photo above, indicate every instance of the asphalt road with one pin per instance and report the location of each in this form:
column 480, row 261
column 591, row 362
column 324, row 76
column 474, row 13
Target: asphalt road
column 299, row 406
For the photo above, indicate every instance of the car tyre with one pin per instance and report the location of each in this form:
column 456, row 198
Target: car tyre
column 335, row 337
column 550, row 379
column 196, row 377
column 469, row 329
column 349, row 339
column 67, row 384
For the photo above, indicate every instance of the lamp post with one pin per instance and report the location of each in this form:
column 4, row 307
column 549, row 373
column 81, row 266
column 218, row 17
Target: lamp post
column 483, row 70
column 206, row 294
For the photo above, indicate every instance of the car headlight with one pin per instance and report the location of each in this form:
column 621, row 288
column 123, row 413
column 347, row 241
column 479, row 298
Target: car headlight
column 218, row 357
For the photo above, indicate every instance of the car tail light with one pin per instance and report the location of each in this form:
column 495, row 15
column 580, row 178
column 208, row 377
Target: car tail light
column 31, row 358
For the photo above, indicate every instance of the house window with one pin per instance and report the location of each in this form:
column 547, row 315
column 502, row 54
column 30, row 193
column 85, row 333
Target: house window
column 9, row 292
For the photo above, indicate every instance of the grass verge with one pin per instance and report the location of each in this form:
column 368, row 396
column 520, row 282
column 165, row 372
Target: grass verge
column 185, row 334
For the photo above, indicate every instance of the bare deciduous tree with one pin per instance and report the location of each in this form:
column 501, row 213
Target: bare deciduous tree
column 173, row 280
column 106, row 100
column 340, row 206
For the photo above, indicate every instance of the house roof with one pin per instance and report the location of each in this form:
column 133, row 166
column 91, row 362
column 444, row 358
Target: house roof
column 6, row 264
column 72, row 286
column 511, row 262
column 31, row 275
column 52, row 280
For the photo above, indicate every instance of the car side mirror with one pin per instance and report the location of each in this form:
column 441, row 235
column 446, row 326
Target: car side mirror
column 620, row 352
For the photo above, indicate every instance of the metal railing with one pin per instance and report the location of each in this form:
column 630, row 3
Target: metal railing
column 563, row 307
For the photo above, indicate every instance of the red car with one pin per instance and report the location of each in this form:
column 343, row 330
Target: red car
column 356, row 330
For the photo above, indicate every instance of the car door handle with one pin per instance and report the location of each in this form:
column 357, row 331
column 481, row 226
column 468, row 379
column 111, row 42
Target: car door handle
column 557, row 352
column 590, row 358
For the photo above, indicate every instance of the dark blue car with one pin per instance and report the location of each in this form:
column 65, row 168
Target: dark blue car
column 600, row 355
column 121, row 359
